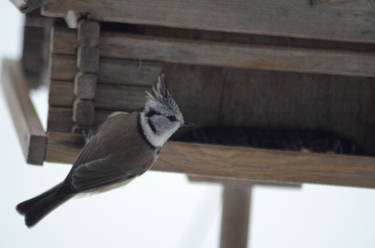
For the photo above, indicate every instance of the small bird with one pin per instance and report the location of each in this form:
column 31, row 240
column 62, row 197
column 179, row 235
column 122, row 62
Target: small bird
column 124, row 147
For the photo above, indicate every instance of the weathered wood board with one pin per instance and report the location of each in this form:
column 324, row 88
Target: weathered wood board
column 238, row 97
column 329, row 20
column 241, row 162
column 29, row 129
column 140, row 47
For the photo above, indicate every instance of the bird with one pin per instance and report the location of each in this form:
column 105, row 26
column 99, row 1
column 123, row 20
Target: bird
column 125, row 146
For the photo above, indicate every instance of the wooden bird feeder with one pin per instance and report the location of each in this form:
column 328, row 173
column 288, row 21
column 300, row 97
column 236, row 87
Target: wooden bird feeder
column 292, row 67
column 294, row 76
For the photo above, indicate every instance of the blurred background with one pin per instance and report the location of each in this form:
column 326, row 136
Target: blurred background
column 165, row 209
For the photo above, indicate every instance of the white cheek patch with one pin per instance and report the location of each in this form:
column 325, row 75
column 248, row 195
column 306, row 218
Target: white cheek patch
column 154, row 139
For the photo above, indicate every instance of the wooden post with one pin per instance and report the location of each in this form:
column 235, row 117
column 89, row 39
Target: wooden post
column 235, row 216
column 28, row 126
column 86, row 78
column 236, row 210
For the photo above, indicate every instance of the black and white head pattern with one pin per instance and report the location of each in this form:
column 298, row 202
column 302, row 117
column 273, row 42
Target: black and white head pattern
column 161, row 116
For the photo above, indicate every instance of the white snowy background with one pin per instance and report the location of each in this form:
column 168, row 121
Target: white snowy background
column 164, row 209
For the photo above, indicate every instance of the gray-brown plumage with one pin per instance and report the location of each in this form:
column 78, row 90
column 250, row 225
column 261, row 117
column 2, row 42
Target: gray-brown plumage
column 124, row 147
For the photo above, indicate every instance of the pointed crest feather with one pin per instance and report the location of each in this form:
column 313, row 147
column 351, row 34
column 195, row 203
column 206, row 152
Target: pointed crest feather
column 160, row 94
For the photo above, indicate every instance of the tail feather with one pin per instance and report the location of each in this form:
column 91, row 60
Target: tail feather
column 38, row 207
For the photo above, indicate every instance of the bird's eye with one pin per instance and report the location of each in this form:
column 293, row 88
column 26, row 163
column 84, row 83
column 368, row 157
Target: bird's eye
column 152, row 112
column 172, row 118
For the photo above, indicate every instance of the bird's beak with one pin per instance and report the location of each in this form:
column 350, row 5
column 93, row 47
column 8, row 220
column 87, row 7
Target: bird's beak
column 188, row 124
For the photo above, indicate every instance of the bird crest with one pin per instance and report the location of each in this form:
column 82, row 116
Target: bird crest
column 161, row 97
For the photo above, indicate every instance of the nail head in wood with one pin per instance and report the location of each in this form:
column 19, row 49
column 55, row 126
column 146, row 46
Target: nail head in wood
column 85, row 85
column 84, row 112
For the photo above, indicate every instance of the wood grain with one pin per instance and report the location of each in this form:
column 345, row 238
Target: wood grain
column 129, row 46
column 107, row 96
column 88, row 59
column 241, row 162
column 61, row 119
column 235, row 216
column 341, row 20
column 112, row 71
column 88, row 52
column 29, row 129
column 85, row 85
column 84, row 112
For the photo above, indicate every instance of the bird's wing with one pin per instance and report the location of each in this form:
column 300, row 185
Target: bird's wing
column 92, row 150
column 89, row 152
column 96, row 174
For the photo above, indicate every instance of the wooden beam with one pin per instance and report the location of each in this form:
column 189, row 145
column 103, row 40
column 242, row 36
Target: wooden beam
column 241, row 162
column 29, row 129
column 330, row 20
column 235, row 216
column 60, row 119
column 112, row 71
column 107, row 96
column 138, row 47
column 25, row 6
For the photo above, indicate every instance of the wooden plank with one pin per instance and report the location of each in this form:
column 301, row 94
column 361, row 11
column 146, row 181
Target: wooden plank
column 108, row 96
column 29, row 129
column 242, row 162
column 61, row 119
column 247, row 56
column 64, row 40
column 113, row 71
column 238, row 55
column 63, row 67
column 292, row 18
column 25, row 6
column 235, row 216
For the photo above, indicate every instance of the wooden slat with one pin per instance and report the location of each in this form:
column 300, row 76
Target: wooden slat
column 113, row 71
column 329, row 20
column 128, row 46
column 64, row 40
column 240, row 56
column 29, row 129
column 63, row 67
column 61, row 119
column 111, row 97
column 242, row 162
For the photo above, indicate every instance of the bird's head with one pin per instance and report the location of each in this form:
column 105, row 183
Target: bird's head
column 161, row 116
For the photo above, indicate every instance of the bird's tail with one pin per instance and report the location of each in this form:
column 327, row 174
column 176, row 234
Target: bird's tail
column 38, row 207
